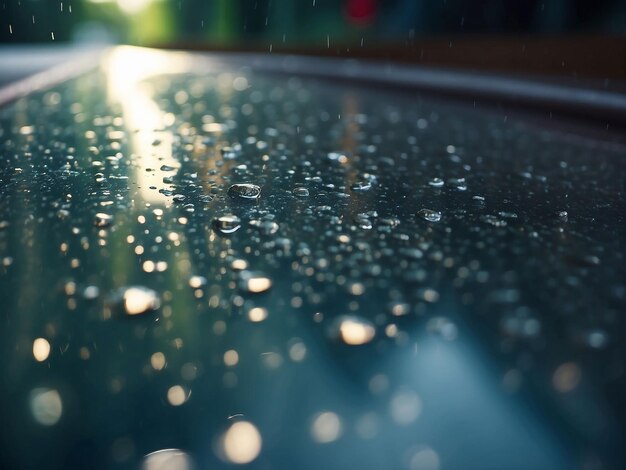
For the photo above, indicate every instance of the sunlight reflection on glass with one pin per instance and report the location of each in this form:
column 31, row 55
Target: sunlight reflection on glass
column 127, row 72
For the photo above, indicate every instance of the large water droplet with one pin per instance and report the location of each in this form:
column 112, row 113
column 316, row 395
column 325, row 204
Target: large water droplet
column 227, row 223
column 245, row 191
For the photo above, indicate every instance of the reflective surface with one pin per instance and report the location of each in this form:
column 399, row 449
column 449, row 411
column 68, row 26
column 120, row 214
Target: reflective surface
column 202, row 266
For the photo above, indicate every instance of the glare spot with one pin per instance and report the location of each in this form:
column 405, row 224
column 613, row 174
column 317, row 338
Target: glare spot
column 195, row 282
column 355, row 331
column 167, row 459
column 132, row 6
column 41, row 349
column 241, row 443
column 255, row 282
column 566, row 377
column 231, row 358
column 405, row 407
column 257, row 314
column 176, row 395
column 46, row 406
column 138, row 300
column 157, row 361
column 297, row 351
column 326, row 427
column 424, row 459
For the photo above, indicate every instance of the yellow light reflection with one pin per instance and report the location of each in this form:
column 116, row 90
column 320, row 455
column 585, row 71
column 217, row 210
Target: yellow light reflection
column 41, row 349
column 128, row 69
column 241, row 443
column 354, row 331
column 133, row 6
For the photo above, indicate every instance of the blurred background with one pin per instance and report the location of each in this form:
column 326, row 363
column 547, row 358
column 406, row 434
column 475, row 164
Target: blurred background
column 574, row 37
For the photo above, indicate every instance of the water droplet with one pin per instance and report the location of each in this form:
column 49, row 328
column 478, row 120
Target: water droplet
column 46, row 406
column 430, row 215
column 257, row 314
column 405, row 407
column 196, row 282
column 227, row 223
column 254, row 282
column 566, row 377
column 436, row 182
column 424, row 459
column 103, row 220
column 353, row 330
column 245, row 191
column 177, row 395
column 361, row 186
column 326, row 427
column 167, row 459
column 41, row 349
column 458, row 183
column 241, row 443
column 493, row 220
column 266, row 227
column 596, row 338
column 301, row 192
column 132, row 300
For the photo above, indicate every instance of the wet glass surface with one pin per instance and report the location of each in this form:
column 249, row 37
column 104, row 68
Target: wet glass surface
column 289, row 273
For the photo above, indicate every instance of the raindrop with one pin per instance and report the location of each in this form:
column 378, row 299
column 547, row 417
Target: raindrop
column 361, row 186
column 326, row 427
column 41, row 349
column 405, row 407
column 132, row 300
column 46, row 406
column 596, row 338
column 458, row 183
column 425, row 459
column 167, row 459
column 227, row 223
column 254, row 282
column 436, row 182
column 196, row 282
column 353, row 330
column 241, row 443
column 493, row 220
column 301, row 192
column 103, row 220
column 430, row 215
column 266, row 227
column 245, row 191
